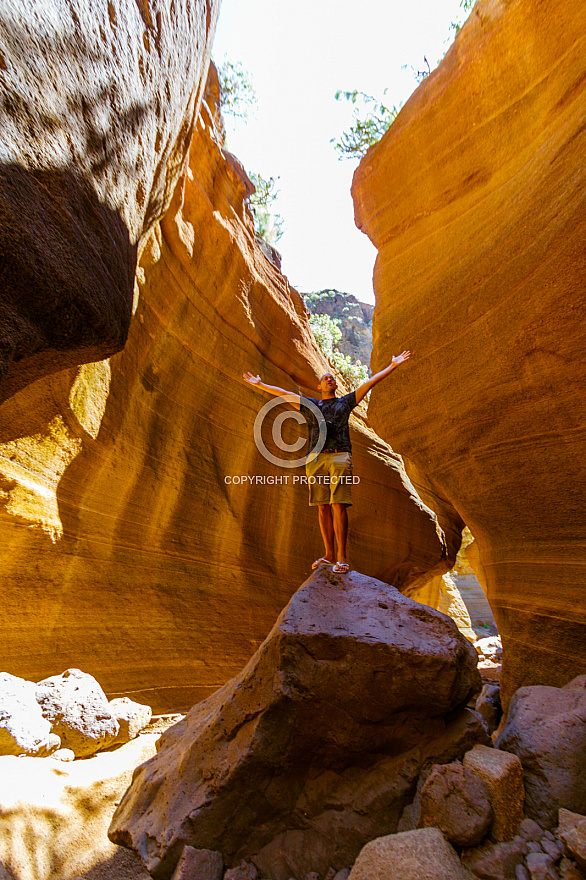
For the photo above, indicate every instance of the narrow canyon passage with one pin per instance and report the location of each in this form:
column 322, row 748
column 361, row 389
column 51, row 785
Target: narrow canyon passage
column 147, row 539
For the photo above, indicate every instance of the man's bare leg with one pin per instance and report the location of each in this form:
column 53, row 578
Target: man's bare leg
column 340, row 517
column 326, row 527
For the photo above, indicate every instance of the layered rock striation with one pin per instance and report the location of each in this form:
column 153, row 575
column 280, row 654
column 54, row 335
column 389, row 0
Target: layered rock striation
column 475, row 199
column 143, row 536
column 314, row 748
column 99, row 102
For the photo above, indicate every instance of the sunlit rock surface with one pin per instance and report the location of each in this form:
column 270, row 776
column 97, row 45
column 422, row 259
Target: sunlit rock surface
column 127, row 548
column 475, row 199
column 98, row 104
column 315, row 747
column 442, row 593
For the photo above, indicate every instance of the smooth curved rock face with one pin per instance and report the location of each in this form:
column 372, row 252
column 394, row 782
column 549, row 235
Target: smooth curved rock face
column 313, row 749
column 475, row 201
column 98, row 104
column 546, row 730
column 152, row 570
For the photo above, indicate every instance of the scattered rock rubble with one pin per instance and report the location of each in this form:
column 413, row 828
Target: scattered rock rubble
column 65, row 716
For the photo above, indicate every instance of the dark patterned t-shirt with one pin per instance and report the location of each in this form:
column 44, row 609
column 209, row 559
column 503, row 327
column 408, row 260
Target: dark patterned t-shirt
column 336, row 411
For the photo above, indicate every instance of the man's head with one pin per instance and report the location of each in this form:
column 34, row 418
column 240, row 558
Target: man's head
column 327, row 385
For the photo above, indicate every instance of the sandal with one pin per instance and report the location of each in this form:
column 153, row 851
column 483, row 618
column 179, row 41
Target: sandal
column 322, row 561
column 341, row 567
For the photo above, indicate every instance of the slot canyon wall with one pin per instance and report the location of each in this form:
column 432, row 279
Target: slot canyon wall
column 123, row 548
column 475, row 199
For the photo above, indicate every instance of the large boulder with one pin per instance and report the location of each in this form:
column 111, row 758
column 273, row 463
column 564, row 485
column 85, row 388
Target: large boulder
column 314, row 748
column 23, row 730
column 77, row 709
column 475, row 201
column 546, row 729
column 98, row 105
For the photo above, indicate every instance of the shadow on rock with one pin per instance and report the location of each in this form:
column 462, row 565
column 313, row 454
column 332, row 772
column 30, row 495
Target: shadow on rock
column 67, row 272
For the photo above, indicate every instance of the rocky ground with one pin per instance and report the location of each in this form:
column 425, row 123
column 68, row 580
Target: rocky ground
column 407, row 771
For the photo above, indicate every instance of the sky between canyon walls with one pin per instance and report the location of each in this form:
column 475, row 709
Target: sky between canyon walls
column 299, row 53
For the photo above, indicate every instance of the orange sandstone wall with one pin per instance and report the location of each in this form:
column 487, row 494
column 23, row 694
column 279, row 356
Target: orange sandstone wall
column 476, row 201
column 123, row 549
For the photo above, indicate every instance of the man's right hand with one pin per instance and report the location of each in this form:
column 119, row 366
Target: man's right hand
column 288, row 396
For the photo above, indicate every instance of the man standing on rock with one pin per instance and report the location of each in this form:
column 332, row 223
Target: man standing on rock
column 329, row 472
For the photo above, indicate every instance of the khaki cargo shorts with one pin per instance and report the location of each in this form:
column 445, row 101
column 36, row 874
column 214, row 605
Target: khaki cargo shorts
column 329, row 477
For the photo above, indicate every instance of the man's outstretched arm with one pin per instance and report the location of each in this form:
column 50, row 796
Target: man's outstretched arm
column 363, row 389
column 288, row 396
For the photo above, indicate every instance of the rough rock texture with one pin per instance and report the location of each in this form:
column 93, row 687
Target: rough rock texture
column 424, row 854
column 496, row 861
column 131, row 717
column 456, row 801
column 98, row 105
column 546, row 729
column 54, row 816
column 572, row 832
column 541, row 866
column 503, row 776
column 475, row 199
column 199, row 864
column 314, row 747
column 244, row 871
column 354, row 320
column 78, row 711
column 23, row 730
column 117, row 479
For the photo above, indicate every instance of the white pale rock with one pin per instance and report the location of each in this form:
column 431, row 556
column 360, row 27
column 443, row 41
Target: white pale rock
column 131, row 717
column 23, row 730
column 77, row 709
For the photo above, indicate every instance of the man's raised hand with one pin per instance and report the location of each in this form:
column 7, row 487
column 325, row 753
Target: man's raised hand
column 404, row 356
column 253, row 380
